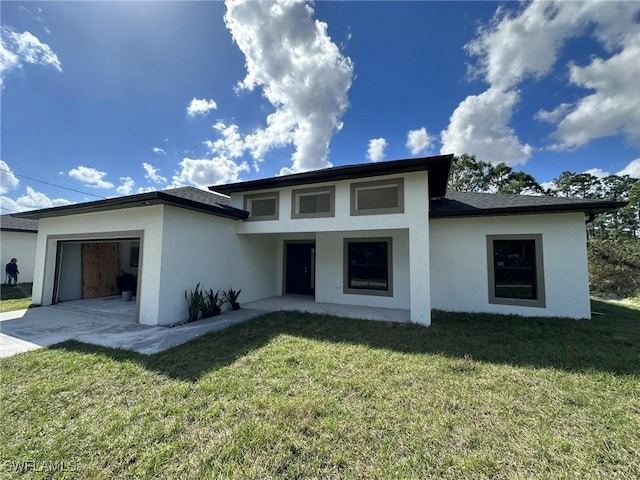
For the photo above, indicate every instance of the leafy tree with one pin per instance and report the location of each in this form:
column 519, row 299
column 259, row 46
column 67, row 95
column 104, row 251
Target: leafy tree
column 469, row 174
column 472, row 175
column 577, row 185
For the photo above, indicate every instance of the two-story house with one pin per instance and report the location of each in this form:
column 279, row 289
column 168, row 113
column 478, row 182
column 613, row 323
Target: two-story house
column 386, row 235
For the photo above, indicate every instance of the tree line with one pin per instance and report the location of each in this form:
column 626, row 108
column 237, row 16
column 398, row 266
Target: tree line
column 613, row 238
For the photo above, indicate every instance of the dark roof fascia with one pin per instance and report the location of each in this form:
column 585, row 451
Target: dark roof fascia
column 131, row 201
column 18, row 230
column 586, row 207
column 438, row 167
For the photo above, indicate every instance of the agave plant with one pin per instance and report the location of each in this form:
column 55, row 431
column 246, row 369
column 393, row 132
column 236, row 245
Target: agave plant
column 194, row 300
column 231, row 296
column 212, row 303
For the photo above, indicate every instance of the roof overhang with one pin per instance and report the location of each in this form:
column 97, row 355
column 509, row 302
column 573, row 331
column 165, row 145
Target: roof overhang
column 438, row 167
column 132, row 201
column 590, row 208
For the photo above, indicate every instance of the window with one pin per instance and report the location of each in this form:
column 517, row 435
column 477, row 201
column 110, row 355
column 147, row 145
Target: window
column 516, row 273
column 313, row 202
column 262, row 206
column 379, row 197
column 367, row 266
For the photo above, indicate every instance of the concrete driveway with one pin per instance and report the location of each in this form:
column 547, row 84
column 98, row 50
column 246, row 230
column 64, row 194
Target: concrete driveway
column 24, row 330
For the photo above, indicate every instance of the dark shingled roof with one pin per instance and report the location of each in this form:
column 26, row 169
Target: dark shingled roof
column 184, row 197
column 9, row 223
column 438, row 167
column 469, row 204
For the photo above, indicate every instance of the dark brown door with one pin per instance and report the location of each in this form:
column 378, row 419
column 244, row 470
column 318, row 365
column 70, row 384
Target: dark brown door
column 300, row 268
column 100, row 268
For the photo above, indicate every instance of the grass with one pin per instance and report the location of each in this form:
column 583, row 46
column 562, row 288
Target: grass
column 292, row 395
column 15, row 297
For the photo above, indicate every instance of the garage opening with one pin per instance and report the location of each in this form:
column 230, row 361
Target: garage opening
column 97, row 272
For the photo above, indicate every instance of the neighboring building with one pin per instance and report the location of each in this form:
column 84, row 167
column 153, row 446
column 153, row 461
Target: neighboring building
column 383, row 234
column 18, row 238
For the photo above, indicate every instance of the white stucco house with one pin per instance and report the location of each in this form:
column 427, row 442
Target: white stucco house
column 18, row 237
column 386, row 235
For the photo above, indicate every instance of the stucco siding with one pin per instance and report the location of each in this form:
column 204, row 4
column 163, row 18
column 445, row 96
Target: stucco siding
column 20, row 245
column 330, row 269
column 459, row 266
column 144, row 221
column 203, row 248
column 415, row 187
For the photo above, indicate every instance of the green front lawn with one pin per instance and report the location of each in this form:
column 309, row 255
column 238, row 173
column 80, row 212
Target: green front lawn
column 292, row 395
column 15, row 297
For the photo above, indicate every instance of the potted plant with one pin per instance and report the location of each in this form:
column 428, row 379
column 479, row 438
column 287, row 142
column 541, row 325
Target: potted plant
column 231, row 297
column 211, row 304
column 194, row 302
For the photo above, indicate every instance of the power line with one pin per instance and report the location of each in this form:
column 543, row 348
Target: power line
column 52, row 184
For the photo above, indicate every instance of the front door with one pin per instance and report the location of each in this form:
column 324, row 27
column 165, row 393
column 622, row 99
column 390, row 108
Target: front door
column 300, row 268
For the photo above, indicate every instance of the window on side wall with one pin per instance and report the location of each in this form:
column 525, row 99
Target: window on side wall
column 377, row 197
column 368, row 266
column 516, row 272
column 262, row 206
column 313, row 202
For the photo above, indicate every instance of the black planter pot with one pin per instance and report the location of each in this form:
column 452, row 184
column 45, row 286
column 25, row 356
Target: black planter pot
column 235, row 306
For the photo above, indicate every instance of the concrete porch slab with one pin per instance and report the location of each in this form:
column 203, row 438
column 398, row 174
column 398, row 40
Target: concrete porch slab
column 308, row 304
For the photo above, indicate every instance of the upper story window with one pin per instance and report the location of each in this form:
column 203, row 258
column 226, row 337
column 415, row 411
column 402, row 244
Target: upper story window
column 262, row 206
column 377, row 197
column 313, row 202
column 516, row 272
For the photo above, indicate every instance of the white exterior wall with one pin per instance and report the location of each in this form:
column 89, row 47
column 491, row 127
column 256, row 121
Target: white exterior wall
column 178, row 249
column 416, row 201
column 459, row 265
column 410, row 232
column 145, row 221
column 20, row 245
column 198, row 247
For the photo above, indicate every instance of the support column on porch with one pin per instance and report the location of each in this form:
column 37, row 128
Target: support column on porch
column 417, row 212
column 419, row 276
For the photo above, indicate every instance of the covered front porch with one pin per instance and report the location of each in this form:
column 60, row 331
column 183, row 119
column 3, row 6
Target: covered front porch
column 380, row 274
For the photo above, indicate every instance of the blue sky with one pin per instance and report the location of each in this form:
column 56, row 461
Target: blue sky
column 113, row 98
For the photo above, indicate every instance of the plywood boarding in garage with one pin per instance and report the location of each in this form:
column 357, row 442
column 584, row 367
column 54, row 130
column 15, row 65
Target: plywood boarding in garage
column 100, row 268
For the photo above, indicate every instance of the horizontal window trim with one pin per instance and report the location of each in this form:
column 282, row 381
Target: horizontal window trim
column 540, row 302
column 301, row 192
column 247, row 199
column 386, row 183
column 345, row 267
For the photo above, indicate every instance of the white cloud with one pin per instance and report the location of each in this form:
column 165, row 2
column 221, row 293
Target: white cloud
column 516, row 46
column 8, row 180
column 597, row 172
column 230, row 145
column 158, row 150
column 205, row 172
column 632, row 169
column 126, row 187
column 614, row 106
column 375, row 152
column 301, row 72
column 90, row 177
column 479, row 126
column 153, row 175
column 16, row 49
column 418, row 141
column 555, row 115
column 32, row 200
column 200, row 106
